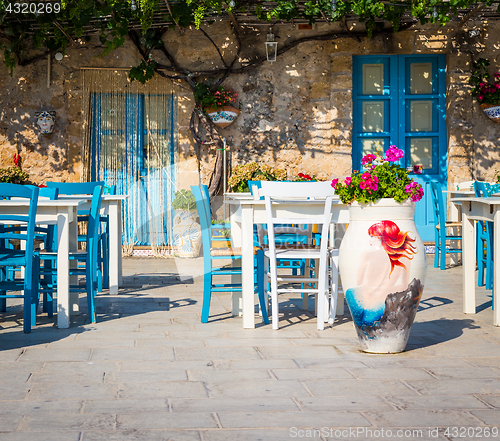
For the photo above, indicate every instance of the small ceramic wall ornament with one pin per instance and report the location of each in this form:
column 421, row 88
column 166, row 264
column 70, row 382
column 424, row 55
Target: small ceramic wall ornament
column 46, row 120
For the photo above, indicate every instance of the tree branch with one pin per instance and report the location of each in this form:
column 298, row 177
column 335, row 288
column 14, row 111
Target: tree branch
column 34, row 59
column 470, row 14
column 216, row 47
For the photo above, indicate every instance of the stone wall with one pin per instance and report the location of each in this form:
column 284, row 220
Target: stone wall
column 296, row 112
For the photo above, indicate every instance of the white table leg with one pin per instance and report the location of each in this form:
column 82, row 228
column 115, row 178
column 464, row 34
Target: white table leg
column 114, row 247
column 119, row 241
column 62, row 270
column 74, row 297
column 237, row 307
column 469, row 264
column 496, row 270
column 247, row 266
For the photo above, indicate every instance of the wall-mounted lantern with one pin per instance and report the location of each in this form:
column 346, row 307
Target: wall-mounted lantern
column 45, row 120
column 271, row 47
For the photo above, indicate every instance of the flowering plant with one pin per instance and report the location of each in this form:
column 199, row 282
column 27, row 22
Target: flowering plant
column 382, row 177
column 212, row 99
column 238, row 181
column 301, row 177
column 485, row 92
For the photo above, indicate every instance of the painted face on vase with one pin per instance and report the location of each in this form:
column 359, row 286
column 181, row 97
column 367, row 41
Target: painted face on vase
column 45, row 121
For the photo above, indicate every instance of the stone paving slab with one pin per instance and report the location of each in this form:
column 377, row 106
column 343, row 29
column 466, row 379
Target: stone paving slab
column 142, row 435
column 148, row 370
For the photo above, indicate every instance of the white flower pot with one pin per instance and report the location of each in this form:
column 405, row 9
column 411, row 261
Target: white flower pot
column 382, row 264
column 224, row 117
column 187, row 234
column 492, row 111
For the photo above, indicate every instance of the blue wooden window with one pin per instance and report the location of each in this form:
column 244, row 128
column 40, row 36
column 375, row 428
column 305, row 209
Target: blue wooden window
column 400, row 100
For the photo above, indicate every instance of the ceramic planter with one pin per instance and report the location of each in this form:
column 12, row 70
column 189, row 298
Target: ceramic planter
column 492, row 111
column 382, row 265
column 187, row 234
column 224, row 116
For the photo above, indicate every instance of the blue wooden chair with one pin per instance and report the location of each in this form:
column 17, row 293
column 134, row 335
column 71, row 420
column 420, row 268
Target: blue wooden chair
column 440, row 228
column 26, row 257
column 484, row 242
column 484, row 248
column 86, row 258
column 213, row 254
column 48, row 236
column 76, row 188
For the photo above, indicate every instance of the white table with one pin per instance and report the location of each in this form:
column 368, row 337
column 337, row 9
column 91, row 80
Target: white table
column 246, row 211
column 482, row 209
column 111, row 205
column 62, row 213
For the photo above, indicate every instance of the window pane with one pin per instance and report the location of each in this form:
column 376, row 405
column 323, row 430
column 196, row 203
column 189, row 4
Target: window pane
column 371, row 145
column 421, row 116
column 373, row 116
column 421, row 152
column 373, row 79
column 421, row 78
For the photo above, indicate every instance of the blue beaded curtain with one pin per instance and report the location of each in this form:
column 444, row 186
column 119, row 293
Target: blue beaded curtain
column 130, row 141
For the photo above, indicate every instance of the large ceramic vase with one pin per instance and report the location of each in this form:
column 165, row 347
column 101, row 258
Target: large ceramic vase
column 382, row 265
column 187, row 234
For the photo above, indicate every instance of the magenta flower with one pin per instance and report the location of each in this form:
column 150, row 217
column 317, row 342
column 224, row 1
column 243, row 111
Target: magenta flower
column 348, row 181
column 334, row 182
column 393, row 154
column 367, row 159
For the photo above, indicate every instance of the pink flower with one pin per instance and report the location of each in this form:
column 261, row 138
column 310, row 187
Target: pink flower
column 367, row 159
column 393, row 154
column 348, row 181
column 334, row 182
column 366, row 176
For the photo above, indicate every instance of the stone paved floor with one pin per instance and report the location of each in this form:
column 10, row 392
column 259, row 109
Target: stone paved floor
column 149, row 370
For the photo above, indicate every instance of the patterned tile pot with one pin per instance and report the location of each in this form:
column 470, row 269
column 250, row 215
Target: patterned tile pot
column 223, row 117
column 187, row 234
column 382, row 265
column 492, row 111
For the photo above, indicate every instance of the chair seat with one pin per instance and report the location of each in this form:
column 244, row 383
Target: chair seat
column 449, row 225
column 299, row 252
column 236, row 251
column 12, row 257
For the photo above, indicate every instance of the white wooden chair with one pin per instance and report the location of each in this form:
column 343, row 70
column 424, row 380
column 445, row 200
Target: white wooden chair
column 277, row 195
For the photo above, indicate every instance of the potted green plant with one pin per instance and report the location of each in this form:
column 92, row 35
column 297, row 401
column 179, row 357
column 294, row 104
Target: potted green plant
column 186, row 230
column 242, row 173
column 382, row 258
column 218, row 103
column 13, row 175
column 486, row 93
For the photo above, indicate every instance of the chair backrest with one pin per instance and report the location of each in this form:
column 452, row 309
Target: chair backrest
column 8, row 191
column 92, row 238
column 481, row 189
column 467, row 185
column 46, row 192
column 200, row 193
column 439, row 210
column 485, row 189
column 75, row 187
column 277, row 192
